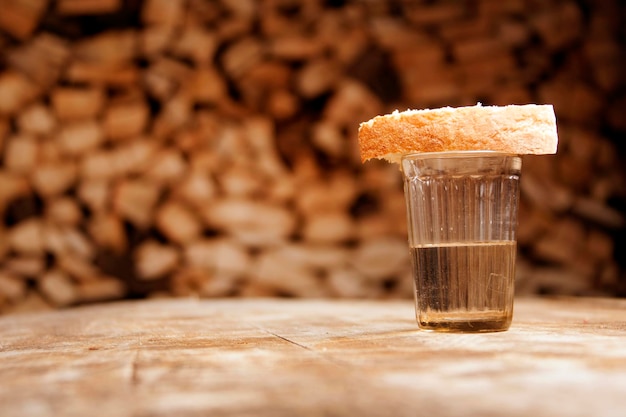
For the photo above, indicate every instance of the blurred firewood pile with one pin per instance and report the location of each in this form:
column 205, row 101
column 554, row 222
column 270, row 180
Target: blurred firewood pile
column 208, row 148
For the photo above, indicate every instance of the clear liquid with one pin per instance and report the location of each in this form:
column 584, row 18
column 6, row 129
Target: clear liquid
column 464, row 286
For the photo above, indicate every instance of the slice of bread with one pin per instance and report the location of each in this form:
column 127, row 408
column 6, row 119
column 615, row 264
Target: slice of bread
column 524, row 129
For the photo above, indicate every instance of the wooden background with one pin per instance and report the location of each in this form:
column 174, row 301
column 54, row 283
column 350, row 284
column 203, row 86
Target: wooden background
column 194, row 147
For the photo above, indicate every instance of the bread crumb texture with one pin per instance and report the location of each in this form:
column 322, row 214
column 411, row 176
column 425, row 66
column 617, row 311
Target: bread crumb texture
column 515, row 129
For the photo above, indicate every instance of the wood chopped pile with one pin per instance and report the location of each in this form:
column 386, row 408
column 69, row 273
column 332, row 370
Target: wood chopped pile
column 207, row 148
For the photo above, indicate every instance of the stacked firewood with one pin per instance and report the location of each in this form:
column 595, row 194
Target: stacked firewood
column 208, row 148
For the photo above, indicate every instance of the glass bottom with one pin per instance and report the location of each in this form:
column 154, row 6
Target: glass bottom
column 465, row 321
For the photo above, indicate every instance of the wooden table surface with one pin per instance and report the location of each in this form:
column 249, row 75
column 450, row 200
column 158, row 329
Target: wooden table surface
column 181, row 357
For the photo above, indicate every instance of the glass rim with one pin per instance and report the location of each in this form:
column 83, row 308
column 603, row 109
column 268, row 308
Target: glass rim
column 456, row 154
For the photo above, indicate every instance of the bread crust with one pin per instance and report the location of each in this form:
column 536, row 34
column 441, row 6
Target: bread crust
column 514, row 129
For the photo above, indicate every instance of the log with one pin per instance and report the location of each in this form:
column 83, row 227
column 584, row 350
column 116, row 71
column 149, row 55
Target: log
column 357, row 41
column 166, row 166
column 235, row 27
column 42, row 59
column 334, row 195
column 329, row 227
column 155, row 39
column 274, row 74
column 109, row 48
column 477, row 49
column 438, row 85
column 532, row 224
column 605, row 54
column 21, row 154
column 164, row 76
column 196, row 189
column 4, row 129
column 125, row 120
column 440, row 14
column 11, row 187
column 253, row 223
column 135, row 200
column 188, row 282
column 127, row 159
column 20, row 18
column 154, row 260
column 176, row 114
column 276, row 270
column 598, row 212
column 107, row 231
column 546, row 195
column 295, row 48
column 54, row 178
column 176, row 222
column 577, row 102
column 98, row 166
column 563, row 244
column 163, row 12
column 27, row 237
column 80, row 138
column 4, row 244
column 97, row 74
column 66, row 241
column 15, row 92
column 241, row 182
column 484, row 79
column 282, row 104
column 261, row 137
column 551, row 279
column 12, row 289
column 600, row 246
column 384, row 257
column 32, row 302
column 476, row 28
column 373, row 226
column 328, row 138
column 206, row 85
column 101, row 289
column 79, row 269
column 77, row 103
column 26, row 266
column 58, row 289
column 218, row 257
column 242, row 56
column 351, row 100
column 559, row 26
column 36, row 119
column 395, row 35
column 316, row 78
column 63, row 211
column 195, row 43
column 348, row 283
column 95, row 194
column 513, row 33
column 86, row 7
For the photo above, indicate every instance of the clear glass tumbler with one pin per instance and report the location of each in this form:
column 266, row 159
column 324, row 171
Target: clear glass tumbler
column 462, row 219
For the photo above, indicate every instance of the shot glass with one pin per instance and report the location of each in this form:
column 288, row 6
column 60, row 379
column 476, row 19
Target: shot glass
column 462, row 219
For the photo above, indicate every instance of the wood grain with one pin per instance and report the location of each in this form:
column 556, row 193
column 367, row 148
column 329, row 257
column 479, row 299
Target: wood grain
column 270, row 357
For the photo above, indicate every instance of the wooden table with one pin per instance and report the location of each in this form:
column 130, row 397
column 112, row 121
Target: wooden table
column 561, row 357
